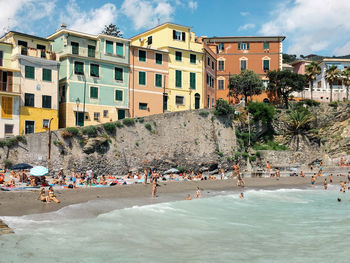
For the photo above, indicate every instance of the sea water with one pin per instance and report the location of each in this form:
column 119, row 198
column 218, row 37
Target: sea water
column 287, row 225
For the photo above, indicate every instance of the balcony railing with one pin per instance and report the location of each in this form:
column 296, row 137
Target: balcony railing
column 10, row 87
column 34, row 52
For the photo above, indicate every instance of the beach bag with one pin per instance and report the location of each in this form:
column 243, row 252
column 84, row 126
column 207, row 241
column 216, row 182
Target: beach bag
column 70, row 186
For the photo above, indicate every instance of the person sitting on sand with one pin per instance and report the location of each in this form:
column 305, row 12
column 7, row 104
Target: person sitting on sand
column 241, row 196
column 10, row 183
column 52, row 195
column 198, row 193
column 43, row 197
column 302, row 174
column 188, row 197
column 342, row 162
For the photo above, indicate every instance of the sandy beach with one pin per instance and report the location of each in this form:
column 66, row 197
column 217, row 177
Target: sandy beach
column 25, row 202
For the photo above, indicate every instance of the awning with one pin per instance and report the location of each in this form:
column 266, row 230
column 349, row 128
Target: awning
column 80, row 109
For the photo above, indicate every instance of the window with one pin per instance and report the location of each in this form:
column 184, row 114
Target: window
column 142, row 78
column 179, row 100
column 105, row 113
column 178, row 56
column 319, row 84
column 120, row 49
column 119, row 95
column 165, row 102
column 193, row 58
column 78, row 68
column 243, row 46
column 149, row 40
column 192, row 80
column 118, row 74
column 28, row 100
column 208, row 79
column 142, row 55
column 178, row 78
column 75, row 48
column 266, row 64
column 221, row 47
column 42, row 50
column 8, row 129
column 23, row 45
column 158, row 80
column 212, row 65
column 6, row 107
column 1, row 57
column 212, row 83
column 46, row 123
column 29, row 127
column 109, row 47
column 208, row 61
column 208, row 100
column 212, row 102
column 96, row 116
column 243, row 64
column 94, row 70
column 47, row 75
column 91, row 51
column 29, row 72
column 93, row 92
column 221, row 65
column 266, row 45
column 142, row 106
column 177, row 35
column 46, row 101
column 221, row 84
column 159, row 59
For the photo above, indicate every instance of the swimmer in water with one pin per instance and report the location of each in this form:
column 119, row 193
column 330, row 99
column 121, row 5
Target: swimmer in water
column 325, row 184
column 339, row 200
column 241, row 196
column 188, row 197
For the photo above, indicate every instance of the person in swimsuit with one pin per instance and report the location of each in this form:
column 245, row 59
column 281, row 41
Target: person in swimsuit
column 325, row 184
column 331, row 178
column 52, row 195
column 154, row 187
column 188, row 197
column 198, row 193
column 268, row 167
column 42, row 196
column 313, row 180
column 241, row 196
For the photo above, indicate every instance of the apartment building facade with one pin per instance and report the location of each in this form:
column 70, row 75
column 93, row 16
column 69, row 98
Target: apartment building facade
column 37, row 80
column 185, row 85
column 209, row 76
column 94, row 77
column 148, row 90
column 234, row 54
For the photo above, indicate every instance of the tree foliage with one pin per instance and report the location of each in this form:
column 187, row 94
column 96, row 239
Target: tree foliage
column 312, row 70
column 346, row 81
column 261, row 111
column 332, row 75
column 289, row 58
column 112, row 30
column 246, row 83
column 223, row 108
column 285, row 82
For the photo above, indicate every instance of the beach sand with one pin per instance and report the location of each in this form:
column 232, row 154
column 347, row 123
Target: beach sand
column 25, row 202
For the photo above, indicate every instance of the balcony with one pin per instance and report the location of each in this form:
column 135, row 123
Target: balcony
column 8, row 88
column 38, row 53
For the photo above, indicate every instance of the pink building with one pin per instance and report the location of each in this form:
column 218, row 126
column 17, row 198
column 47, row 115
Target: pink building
column 299, row 66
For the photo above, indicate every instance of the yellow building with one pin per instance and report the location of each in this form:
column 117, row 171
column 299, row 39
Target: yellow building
column 185, row 87
column 38, row 81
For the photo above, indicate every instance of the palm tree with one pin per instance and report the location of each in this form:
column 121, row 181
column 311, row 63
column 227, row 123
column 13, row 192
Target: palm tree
column 332, row 75
column 346, row 81
column 312, row 70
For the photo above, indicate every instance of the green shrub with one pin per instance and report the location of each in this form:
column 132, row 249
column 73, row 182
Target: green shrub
column 7, row 163
column 141, row 120
column 148, row 126
column 310, row 103
column 245, row 155
column 261, row 111
column 128, row 122
column 73, row 130
column 109, row 127
column 315, row 131
column 11, row 142
column 333, row 104
column 288, row 111
column 21, row 138
column 90, row 131
column 2, row 143
column 237, row 155
column 220, row 154
column 252, row 158
column 181, row 169
column 119, row 124
column 258, row 154
column 155, row 124
column 137, row 144
column 270, row 146
column 223, row 108
column 58, row 142
column 278, row 111
column 204, row 113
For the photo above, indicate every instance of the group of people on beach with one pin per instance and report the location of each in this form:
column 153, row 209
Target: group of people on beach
column 49, row 197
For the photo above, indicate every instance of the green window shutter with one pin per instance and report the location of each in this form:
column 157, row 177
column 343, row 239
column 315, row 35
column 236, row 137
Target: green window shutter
column 120, row 49
column 47, row 74
column 119, row 74
column 109, row 47
column 159, row 58
column 142, row 78
column 29, row 72
column 119, row 95
column 159, row 80
column 266, row 64
column 142, row 55
column 178, row 56
column 75, row 48
column 247, row 45
column 93, row 92
column 79, row 68
column 266, row 45
column 192, row 80
column 94, row 70
column 193, row 58
column 178, row 78
column 239, row 45
column 91, row 51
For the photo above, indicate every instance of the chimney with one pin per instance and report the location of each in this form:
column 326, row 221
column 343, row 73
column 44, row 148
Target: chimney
column 63, row 26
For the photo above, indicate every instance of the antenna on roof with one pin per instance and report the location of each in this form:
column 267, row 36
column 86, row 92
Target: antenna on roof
column 63, row 25
column 158, row 20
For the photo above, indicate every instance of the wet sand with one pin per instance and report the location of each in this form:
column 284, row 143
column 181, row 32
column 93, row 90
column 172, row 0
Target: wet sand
column 24, row 203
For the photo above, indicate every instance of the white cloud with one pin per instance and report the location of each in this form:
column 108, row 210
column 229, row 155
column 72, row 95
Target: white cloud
column 147, row 13
column 246, row 27
column 193, row 5
column 311, row 26
column 244, row 13
column 92, row 21
column 343, row 50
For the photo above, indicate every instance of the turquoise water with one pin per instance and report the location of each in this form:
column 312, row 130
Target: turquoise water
column 267, row 226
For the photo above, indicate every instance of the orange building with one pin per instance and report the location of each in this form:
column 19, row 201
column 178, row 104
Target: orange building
column 234, row 54
column 148, row 81
column 209, row 76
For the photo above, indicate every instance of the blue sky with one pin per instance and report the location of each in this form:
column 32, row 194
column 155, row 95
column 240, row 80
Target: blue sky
column 311, row 26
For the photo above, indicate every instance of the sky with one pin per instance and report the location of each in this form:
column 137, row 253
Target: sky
column 311, row 26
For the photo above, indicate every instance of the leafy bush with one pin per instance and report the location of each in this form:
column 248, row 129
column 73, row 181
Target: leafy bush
column 137, row 144
column 308, row 102
column 7, row 163
column 333, row 104
column 66, row 134
column 21, row 138
column 58, row 143
column 2, row 143
column 128, row 122
column 223, row 108
column 288, row 111
column 258, row 154
column 90, row 131
column 181, row 169
column 141, row 120
column 252, row 158
column 270, row 146
column 109, row 127
column 148, row 126
column 10, row 142
column 119, row 124
column 261, row 111
column 73, row 130
column 245, row 155
column 204, row 113
column 220, row 154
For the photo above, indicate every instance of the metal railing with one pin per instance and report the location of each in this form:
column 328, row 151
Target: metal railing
column 10, row 87
column 39, row 53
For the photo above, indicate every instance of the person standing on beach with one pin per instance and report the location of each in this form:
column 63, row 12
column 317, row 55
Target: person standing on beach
column 268, row 167
column 313, row 180
column 145, row 175
column 154, row 187
column 89, row 177
column 198, row 193
column 331, row 178
column 325, row 184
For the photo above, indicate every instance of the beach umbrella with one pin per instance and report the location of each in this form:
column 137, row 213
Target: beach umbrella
column 39, row 171
column 21, row 166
